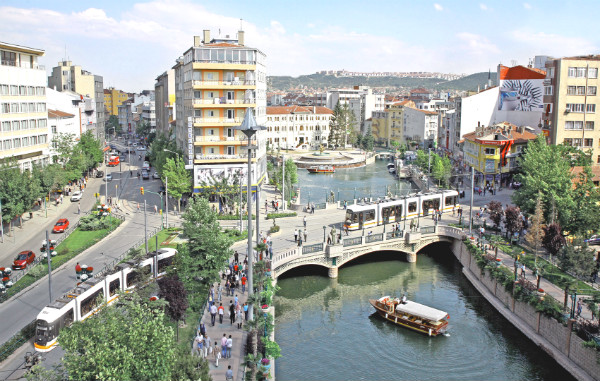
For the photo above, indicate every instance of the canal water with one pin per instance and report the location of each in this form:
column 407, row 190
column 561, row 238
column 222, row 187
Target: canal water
column 369, row 181
column 327, row 330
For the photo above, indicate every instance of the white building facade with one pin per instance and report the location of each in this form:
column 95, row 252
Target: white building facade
column 421, row 126
column 298, row 127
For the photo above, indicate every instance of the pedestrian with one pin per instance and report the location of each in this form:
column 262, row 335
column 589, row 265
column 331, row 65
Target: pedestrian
column 305, row 235
column 195, row 344
column 300, row 240
column 213, row 314
column 219, row 292
column 155, row 209
column 229, row 374
column 202, row 329
column 238, row 316
column 266, row 206
column 224, row 346
column 232, row 286
column 138, row 207
column 236, row 301
column 245, row 311
column 236, row 256
column 346, row 229
column 295, row 235
column 207, row 347
column 345, row 204
column 244, row 280
column 78, row 210
column 229, row 346
column 312, row 208
column 200, row 339
column 221, row 311
column 216, row 354
column 231, row 312
column 304, row 221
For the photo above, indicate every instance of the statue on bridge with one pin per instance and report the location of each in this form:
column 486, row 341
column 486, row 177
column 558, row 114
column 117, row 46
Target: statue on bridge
column 331, row 198
column 332, row 238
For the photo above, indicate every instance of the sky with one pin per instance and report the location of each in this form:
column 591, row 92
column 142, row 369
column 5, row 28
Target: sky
column 130, row 43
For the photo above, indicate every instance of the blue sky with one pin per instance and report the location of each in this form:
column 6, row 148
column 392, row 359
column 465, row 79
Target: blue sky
column 131, row 42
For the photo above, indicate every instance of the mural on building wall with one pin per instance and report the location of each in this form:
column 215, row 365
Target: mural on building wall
column 521, row 95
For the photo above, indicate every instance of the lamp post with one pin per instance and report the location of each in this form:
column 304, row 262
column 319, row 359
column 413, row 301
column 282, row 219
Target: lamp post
column 249, row 127
column 324, row 233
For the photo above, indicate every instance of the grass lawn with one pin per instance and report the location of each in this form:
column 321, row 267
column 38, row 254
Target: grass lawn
column 163, row 236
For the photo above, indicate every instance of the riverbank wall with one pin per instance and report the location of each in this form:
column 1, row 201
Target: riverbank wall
column 559, row 341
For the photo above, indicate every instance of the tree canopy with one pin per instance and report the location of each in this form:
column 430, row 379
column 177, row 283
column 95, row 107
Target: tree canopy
column 179, row 178
column 341, row 125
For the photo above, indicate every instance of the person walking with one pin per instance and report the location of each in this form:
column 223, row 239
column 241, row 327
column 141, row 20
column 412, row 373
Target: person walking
column 305, row 235
column 219, row 292
column 238, row 316
column 304, row 221
column 229, row 346
column 229, row 374
column 216, row 354
column 78, row 210
column 300, row 240
column 195, row 345
column 224, row 346
column 213, row 314
column 155, row 209
column 295, row 235
column 231, row 312
column 207, row 347
column 221, row 311
column 244, row 280
column 245, row 311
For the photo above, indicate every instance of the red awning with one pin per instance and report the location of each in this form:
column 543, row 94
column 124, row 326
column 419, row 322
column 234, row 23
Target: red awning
column 106, row 149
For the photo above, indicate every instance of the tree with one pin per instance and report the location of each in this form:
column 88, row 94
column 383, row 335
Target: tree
column 586, row 197
column 545, row 171
column 422, row 161
column 113, row 122
column 441, row 169
column 63, row 145
column 496, row 212
column 512, row 220
column 91, row 147
column 578, row 259
column 130, row 341
column 226, row 187
column 358, row 142
column 291, row 177
column 179, row 179
column 368, row 140
column 15, row 191
column 553, row 239
column 395, row 144
column 173, row 291
column 341, row 125
column 535, row 233
column 208, row 248
column 157, row 154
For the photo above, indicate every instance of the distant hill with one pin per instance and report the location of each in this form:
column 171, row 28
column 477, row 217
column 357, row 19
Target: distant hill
column 315, row 81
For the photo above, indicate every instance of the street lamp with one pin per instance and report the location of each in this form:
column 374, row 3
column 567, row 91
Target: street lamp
column 249, row 127
column 324, row 234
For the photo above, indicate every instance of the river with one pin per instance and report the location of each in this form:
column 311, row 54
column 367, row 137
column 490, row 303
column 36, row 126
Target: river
column 369, row 181
column 327, row 329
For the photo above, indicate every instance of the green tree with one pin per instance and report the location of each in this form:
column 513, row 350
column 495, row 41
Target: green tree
column 63, row 145
column 368, row 140
column 578, row 259
column 227, row 188
column 92, row 149
column 157, row 154
column 341, row 125
column 113, row 122
column 535, row 233
column 553, row 240
column 496, row 212
column 127, row 342
column 208, row 248
column 14, row 191
column 179, row 179
column 545, row 171
column 50, row 177
column 395, row 144
column 441, row 169
column 584, row 216
column 422, row 161
column 291, row 177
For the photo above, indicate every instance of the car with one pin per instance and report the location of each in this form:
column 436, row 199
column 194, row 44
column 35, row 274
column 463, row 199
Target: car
column 141, row 148
column 76, row 196
column 146, row 166
column 145, row 175
column 108, row 177
column 100, row 174
column 131, row 150
column 155, row 176
column 593, row 240
column 61, row 226
column 23, row 259
column 134, row 144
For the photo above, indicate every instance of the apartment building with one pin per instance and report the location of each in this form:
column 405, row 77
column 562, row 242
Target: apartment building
column 298, row 127
column 113, row 98
column 217, row 81
column 360, row 99
column 571, row 114
column 164, row 96
column 23, row 107
column 69, row 77
column 148, row 115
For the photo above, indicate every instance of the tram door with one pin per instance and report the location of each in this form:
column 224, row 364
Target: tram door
column 361, row 219
column 385, row 213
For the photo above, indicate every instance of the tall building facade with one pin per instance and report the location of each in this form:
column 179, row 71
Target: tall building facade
column 360, row 99
column 69, row 77
column 24, row 127
column 216, row 82
column 298, row 127
column 164, row 95
column 571, row 114
column 113, row 98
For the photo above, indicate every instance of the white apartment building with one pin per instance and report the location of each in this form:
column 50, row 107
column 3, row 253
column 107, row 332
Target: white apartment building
column 360, row 100
column 23, row 112
column 148, row 115
column 298, row 127
column 69, row 102
column 421, row 126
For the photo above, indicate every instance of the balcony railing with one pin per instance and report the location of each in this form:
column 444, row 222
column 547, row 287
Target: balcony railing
column 212, row 138
column 220, row 157
column 25, row 65
column 222, row 100
column 238, row 82
column 223, row 61
column 218, row 120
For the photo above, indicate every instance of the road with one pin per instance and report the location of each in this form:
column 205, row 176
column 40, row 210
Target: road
column 24, row 307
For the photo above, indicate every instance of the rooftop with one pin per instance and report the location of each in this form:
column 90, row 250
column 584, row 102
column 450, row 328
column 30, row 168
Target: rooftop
column 59, row 114
column 279, row 110
column 503, row 131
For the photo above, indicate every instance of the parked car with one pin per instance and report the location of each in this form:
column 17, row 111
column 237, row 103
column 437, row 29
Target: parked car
column 155, row 176
column 61, row 226
column 23, row 259
column 141, row 148
column 109, row 177
column 100, row 174
column 593, row 240
column 76, row 196
column 145, row 175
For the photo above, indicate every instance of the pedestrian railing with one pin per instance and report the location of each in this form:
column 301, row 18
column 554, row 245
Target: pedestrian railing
column 428, row 230
column 315, row 248
column 322, row 205
column 374, row 238
column 18, row 339
column 394, row 235
column 352, row 241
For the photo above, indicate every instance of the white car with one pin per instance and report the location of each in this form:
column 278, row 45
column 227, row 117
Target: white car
column 76, row 196
column 141, row 148
column 155, row 176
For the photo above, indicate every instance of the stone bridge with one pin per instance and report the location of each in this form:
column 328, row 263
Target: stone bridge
column 334, row 256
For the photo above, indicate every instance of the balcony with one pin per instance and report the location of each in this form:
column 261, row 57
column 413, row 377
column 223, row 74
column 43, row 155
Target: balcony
column 222, row 140
column 223, row 102
column 24, row 65
column 230, row 122
column 235, row 83
column 203, row 159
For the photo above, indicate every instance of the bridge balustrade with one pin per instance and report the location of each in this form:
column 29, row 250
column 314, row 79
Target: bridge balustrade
column 309, row 249
column 374, row 238
column 322, row 205
column 353, row 241
column 428, row 230
column 394, row 235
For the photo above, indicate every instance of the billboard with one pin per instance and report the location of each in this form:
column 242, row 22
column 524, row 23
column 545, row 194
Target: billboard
column 521, row 95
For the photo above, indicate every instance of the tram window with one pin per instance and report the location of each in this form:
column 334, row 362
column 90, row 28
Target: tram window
column 412, row 207
column 354, row 218
column 435, row 204
column 385, row 212
column 370, row 215
column 450, row 200
column 162, row 263
column 348, row 215
column 132, row 278
column 89, row 303
column 114, row 286
column 67, row 318
column 399, row 210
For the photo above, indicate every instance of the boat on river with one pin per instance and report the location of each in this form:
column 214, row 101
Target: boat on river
column 321, row 169
column 412, row 315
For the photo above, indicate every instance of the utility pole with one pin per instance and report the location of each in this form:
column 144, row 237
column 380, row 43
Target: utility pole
column 167, row 201
column 283, row 184
column 471, row 204
column 49, row 265
column 240, row 206
column 145, row 228
column 2, row 222
column 257, row 212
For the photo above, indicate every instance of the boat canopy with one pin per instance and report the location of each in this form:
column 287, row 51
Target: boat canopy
column 420, row 310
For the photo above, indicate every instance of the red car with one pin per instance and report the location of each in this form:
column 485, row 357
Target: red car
column 23, row 259
column 61, row 226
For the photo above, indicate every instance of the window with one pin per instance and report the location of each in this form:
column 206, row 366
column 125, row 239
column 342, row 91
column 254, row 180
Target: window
column 5, row 126
column 5, row 108
column 548, row 90
column 53, row 129
column 9, row 58
column 230, row 150
column 571, row 90
column 568, row 142
column 593, row 72
column 574, row 125
column 17, row 143
column 589, row 125
column 577, row 142
column 548, row 107
column 16, row 125
column 14, row 90
column 490, row 151
column 4, row 90
column 588, row 142
column 591, row 90
column 412, row 207
column 591, row 108
column 575, row 107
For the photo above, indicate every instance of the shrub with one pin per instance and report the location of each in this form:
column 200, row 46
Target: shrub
column 234, row 217
column 279, row 215
column 274, row 229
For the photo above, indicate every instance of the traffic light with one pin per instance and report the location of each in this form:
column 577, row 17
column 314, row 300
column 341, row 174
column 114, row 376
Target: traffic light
column 142, row 190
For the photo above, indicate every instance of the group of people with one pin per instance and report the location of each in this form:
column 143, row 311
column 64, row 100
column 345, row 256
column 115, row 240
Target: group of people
column 202, row 346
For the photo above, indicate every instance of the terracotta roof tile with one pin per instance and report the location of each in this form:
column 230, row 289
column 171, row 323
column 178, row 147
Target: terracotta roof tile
column 59, row 114
column 521, row 72
column 278, row 110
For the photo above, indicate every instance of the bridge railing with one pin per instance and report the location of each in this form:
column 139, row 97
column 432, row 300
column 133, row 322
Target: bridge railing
column 428, row 229
column 283, row 257
column 394, row 235
column 322, row 205
column 374, row 238
column 352, row 241
column 315, row 248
